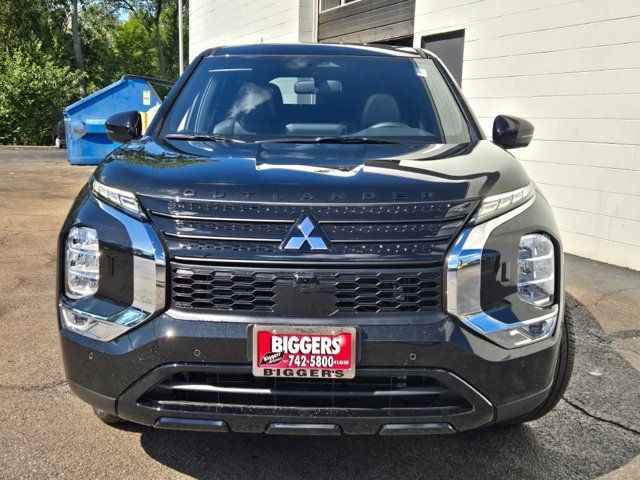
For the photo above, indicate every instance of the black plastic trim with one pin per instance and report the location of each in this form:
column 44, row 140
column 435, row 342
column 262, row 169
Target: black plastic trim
column 481, row 413
column 514, row 409
column 94, row 399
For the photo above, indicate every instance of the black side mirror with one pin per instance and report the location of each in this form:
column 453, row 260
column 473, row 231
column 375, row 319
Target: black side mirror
column 124, row 126
column 512, row 132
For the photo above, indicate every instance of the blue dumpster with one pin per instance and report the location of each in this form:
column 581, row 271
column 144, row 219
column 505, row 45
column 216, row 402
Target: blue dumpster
column 87, row 141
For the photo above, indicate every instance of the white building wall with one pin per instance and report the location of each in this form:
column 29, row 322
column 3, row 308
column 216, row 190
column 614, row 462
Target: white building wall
column 229, row 22
column 573, row 69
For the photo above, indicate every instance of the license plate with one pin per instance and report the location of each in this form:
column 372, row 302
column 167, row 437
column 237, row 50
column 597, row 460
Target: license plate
column 304, row 352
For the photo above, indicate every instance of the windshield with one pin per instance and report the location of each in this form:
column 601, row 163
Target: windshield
column 254, row 98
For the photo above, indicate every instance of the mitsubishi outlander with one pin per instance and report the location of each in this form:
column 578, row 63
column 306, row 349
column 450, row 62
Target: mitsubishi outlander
column 314, row 239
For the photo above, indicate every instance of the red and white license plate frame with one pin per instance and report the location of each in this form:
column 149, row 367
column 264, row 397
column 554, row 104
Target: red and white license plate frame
column 284, row 356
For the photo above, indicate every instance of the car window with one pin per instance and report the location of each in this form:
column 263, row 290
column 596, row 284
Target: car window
column 256, row 97
column 451, row 118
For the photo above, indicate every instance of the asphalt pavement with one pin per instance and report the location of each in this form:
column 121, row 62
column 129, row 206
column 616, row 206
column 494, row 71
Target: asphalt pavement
column 46, row 432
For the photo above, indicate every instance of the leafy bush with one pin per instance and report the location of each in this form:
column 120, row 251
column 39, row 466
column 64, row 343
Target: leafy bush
column 34, row 88
column 40, row 69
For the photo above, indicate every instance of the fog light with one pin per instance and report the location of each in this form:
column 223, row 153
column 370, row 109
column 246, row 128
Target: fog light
column 97, row 327
column 82, row 264
column 76, row 320
column 528, row 331
column 515, row 334
column 536, row 269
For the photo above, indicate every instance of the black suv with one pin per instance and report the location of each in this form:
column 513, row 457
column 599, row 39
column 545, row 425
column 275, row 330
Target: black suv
column 58, row 134
column 314, row 239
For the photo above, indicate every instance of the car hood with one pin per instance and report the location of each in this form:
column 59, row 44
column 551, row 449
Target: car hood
column 312, row 173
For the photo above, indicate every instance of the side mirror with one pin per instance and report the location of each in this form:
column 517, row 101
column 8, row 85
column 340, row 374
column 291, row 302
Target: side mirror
column 124, row 126
column 512, row 132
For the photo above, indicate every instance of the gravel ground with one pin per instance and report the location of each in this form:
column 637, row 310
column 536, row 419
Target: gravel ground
column 46, row 432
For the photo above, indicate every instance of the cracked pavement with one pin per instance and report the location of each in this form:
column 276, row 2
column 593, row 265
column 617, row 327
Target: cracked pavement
column 48, row 433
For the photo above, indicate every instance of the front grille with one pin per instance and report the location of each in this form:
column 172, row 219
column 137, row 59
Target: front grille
column 371, row 392
column 360, row 233
column 234, row 247
column 304, row 291
column 322, row 212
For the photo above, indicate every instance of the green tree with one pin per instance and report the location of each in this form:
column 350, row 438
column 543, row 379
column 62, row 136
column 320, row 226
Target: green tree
column 34, row 88
column 77, row 46
column 169, row 31
column 42, row 71
column 99, row 27
column 148, row 12
column 135, row 49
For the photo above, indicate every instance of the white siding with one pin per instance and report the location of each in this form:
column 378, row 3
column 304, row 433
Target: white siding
column 572, row 68
column 230, row 22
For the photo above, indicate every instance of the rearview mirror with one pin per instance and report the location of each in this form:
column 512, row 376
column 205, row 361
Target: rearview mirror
column 512, row 132
column 309, row 87
column 124, row 126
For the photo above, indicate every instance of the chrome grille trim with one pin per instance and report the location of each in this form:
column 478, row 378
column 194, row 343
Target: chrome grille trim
column 394, row 233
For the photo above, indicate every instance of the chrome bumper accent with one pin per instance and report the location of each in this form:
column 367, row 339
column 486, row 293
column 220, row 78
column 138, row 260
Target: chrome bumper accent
column 98, row 327
column 149, row 284
column 463, row 271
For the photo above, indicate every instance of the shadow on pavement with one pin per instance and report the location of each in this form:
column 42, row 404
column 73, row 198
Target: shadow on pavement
column 261, row 456
column 567, row 443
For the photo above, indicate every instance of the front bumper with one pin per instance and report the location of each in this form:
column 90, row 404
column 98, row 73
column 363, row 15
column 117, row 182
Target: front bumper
column 497, row 384
column 491, row 383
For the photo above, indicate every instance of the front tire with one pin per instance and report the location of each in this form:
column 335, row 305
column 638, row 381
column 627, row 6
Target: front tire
column 564, row 368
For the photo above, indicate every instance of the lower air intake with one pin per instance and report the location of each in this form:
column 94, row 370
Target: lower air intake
column 372, row 392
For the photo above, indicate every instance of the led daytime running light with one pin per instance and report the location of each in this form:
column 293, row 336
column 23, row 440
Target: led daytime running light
column 498, row 204
column 121, row 198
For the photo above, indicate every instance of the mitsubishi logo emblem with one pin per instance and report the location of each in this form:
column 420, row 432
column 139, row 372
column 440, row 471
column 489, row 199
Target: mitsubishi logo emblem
column 305, row 235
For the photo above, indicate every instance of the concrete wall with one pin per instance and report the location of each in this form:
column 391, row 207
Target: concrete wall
column 227, row 22
column 573, row 69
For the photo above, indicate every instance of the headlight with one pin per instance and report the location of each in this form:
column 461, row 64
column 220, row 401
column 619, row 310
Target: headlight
column 536, row 269
column 120, row 198
column 82, row 267
column 499, row 204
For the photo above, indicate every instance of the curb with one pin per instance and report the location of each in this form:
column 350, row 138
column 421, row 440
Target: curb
column 18, row 147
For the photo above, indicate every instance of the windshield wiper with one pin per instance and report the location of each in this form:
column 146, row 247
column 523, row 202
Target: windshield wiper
column 197, row 137
column 331, row 139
